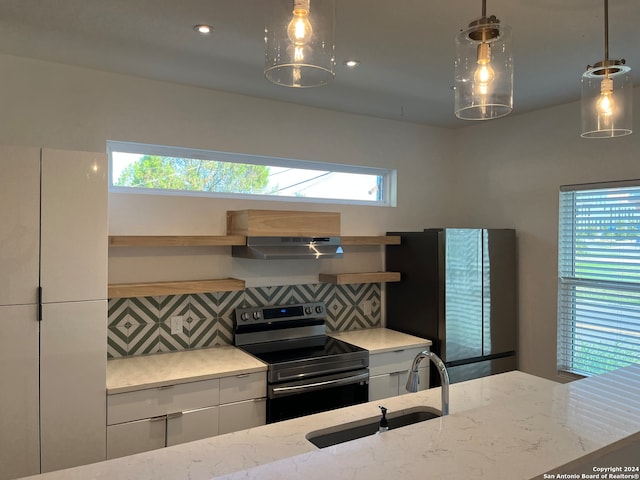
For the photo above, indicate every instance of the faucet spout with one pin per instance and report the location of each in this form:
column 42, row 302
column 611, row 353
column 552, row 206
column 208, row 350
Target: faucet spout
column 414, row 380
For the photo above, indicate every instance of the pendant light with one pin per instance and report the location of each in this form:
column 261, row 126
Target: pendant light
column 484, row 69
column 607, row 96
column 299, row 42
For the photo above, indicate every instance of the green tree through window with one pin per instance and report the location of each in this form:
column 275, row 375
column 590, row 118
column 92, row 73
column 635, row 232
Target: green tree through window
column 171, row 173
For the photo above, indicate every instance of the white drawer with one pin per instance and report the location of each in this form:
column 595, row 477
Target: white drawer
column 192, row 425
column 125, row 407
column 396, row 361
column 242, row 415
column 135, row 437
column 383, row 386
column 243, row 387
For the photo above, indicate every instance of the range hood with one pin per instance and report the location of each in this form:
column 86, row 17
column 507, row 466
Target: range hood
column 270, row 248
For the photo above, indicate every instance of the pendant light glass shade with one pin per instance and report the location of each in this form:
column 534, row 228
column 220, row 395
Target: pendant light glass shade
column 484, row 70
column 299, row 42
column 607, row 95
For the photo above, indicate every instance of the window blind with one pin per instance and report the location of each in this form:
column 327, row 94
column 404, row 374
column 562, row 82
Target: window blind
column 599, row 277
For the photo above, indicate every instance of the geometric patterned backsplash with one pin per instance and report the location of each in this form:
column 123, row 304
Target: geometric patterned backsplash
column 140, row 326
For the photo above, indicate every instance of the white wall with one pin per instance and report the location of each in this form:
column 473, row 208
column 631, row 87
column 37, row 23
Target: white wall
column 66, row 107
column 503, row 173
column 509, row 174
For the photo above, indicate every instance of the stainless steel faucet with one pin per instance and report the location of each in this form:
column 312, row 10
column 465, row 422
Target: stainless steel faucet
column 414, row 380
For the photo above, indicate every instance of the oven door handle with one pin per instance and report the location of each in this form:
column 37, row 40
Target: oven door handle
column 309, row 387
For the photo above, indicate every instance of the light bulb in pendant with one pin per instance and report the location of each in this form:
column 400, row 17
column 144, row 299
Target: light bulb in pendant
column 484, row 74
column 604, row 104
column 299, row 29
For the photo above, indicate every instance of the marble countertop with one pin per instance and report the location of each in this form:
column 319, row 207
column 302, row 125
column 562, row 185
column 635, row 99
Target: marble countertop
column 507, row 426
column 378, row 340
column 162, row 369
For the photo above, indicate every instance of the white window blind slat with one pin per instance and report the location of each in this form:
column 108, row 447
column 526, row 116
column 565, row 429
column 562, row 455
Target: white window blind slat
column 599, row 278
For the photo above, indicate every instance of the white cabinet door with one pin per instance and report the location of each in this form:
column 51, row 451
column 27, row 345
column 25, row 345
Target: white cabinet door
column 383, row 386
column 73, row 363
column 243, row 387
column 241, row 415
column 135, row 437
column 19, row 435
column 74, row 226
column 152, row 402
column 19, row 225
column 192, row 425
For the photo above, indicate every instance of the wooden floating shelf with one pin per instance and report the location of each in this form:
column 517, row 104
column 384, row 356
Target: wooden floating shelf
column 374, row 240
column 176, row 240
column 224, row 240
column 371, row 277
column 150, row 289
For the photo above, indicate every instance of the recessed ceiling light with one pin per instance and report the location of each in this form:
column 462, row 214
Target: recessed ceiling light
column 351, row 63
column 203, row 29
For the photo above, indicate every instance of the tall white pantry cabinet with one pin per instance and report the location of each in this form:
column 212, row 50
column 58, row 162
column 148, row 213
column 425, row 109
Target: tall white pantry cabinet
column 53, row 309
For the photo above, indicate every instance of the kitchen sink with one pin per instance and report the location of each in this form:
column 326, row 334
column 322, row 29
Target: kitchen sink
column 369, row 426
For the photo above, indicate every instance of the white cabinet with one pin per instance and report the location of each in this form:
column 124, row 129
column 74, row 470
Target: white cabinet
column 73, row 331
column 19, row 425
column 19, row 225
column 192, row 425
column 73, row 362
column 74, row 226
column 53, row 221
column 136, row 437
column 154, row 402
column 183, row 413
column 242, row 402
column 242, row 415
column 19, row 336
column 388, row 372
column 176, row 413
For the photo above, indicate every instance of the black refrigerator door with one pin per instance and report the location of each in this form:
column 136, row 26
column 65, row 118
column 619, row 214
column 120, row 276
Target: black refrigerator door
column 500, row 292
column 413, row 304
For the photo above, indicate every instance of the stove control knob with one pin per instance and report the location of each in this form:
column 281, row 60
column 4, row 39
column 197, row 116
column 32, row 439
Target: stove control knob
column 318, row 309
column 256, row 315
column 307, row 310
column 244, row 317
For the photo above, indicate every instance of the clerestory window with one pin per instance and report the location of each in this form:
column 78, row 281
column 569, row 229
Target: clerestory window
column 159, row 169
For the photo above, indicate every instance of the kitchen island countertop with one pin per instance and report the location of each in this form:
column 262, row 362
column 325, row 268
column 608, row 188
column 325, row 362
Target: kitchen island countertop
column 507, row 426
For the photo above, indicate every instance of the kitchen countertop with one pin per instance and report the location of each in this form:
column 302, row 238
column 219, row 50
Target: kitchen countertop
column 162, row 369
column 379, row 340
column 506, row 426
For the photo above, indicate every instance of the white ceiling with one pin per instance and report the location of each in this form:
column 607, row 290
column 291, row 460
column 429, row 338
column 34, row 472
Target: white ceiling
column 406, row 47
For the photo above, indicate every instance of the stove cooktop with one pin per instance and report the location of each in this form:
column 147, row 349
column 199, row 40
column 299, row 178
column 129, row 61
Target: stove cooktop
column 283, row 351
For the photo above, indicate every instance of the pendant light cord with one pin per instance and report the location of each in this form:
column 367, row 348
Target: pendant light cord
column 484, row 8
column 606, row 30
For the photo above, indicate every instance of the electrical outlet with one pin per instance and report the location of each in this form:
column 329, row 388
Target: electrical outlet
column 176, row 325
column 366, row 307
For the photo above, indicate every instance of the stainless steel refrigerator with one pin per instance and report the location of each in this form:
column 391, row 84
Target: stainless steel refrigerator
column 458, row 289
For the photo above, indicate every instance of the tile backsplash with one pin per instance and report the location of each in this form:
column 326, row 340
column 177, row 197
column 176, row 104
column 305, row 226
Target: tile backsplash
column 139, row 326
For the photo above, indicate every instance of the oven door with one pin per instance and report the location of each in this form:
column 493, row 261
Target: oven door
column 317, row 394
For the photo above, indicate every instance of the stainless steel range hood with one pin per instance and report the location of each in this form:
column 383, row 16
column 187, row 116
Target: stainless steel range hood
column 270, row 248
